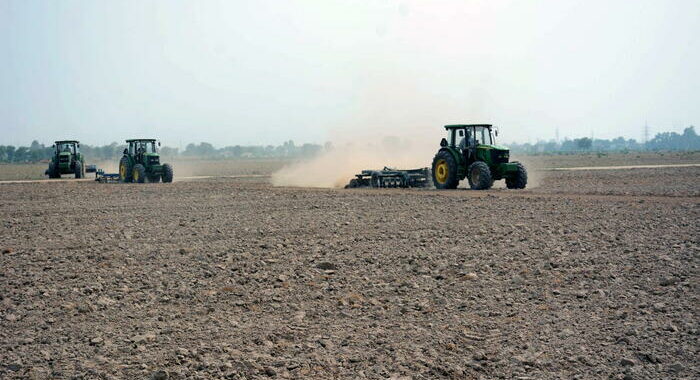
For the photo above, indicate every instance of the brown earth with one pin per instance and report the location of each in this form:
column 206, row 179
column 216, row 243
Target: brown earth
column 593, row 274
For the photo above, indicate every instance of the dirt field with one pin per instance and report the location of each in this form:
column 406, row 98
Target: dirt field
column 593, row 274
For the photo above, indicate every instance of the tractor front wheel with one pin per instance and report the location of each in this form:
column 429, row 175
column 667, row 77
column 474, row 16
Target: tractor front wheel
column 479, row 176
column 139, row 173
column 78, row 170
column 154, row 178
column 167, row 173
column 445, row 170
column 53, row 170
column 519, row 179
column 125, row 170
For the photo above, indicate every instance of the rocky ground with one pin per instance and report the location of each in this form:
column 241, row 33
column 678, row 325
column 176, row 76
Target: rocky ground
column 231, row 278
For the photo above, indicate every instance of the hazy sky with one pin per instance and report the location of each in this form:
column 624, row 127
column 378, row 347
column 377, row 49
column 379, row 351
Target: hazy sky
column 259, row 72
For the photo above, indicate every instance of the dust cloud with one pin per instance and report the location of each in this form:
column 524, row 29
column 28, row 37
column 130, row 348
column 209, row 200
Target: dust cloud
column 336, row 166
column 535, row 171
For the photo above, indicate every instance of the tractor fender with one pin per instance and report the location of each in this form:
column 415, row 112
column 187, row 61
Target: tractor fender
column 508, row 168
column 455, row 153
column 459, row 159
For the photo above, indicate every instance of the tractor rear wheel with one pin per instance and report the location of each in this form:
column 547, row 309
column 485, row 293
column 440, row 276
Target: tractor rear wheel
column 139, row 173
column 125, row 170
column 167, row 173
column 479, row 176
column 445, row 170
column 519, row 179
column 78, row 170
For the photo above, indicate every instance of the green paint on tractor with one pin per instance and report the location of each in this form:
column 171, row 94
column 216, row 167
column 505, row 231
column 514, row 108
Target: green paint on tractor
column 66, row 159
column 141, row 163
column 470, row 151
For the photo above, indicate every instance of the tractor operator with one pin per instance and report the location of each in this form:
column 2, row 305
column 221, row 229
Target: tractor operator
column 465, row 142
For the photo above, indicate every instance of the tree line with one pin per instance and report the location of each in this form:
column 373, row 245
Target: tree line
column 665, row 141
column 36, row 151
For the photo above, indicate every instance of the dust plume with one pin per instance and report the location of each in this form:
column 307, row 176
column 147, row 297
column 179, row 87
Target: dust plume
column 535, row 170
column 336, row 166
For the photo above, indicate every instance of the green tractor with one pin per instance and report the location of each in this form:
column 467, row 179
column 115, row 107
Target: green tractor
column 66, row 159
column 141, row 162
column 475, row 156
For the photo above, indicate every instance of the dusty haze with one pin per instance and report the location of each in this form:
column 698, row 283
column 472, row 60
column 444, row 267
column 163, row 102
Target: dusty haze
column 263, row 72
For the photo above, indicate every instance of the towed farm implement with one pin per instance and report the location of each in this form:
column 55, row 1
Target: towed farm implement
column 389, row 177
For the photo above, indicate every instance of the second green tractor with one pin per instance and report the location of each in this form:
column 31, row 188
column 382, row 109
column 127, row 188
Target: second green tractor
column 470, row 152
column 141, row 163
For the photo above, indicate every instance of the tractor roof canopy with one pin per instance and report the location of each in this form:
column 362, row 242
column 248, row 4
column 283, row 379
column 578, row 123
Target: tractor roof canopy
column 67, row 142
column 460, row 126
column 140, row 140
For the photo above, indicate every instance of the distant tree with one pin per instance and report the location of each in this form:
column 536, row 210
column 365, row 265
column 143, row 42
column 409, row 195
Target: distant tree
column 168, row 151
column 21, row 154
column 190, row 150
column 36, row 146
column 584, row 143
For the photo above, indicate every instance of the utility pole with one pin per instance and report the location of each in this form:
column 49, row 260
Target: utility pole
column 646, row 134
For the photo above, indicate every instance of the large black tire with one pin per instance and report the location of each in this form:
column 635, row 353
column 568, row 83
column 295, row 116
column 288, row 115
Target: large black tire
column 154, row 178
column 78, row 169
column 167, row 173
column 53, row 170
column 445, row 170
column 139, row 173
column 125, row 170
column 479, row 176
column 519, row 179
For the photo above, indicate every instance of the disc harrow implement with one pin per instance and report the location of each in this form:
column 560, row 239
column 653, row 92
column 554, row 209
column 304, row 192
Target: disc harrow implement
column 391, row 178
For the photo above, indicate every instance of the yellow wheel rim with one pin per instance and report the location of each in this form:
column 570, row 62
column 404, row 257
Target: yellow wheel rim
column 442, row 171
column 136, row 175
column 122, row 171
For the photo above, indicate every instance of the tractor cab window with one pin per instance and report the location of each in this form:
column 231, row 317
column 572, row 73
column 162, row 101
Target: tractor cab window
column 66, row 148
column 465, row 138
column 152, row 146
column 140, row 148
column 483, row 136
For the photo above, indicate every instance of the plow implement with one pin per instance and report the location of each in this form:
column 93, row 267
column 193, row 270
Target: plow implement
column 101, row 176
column 389, row 177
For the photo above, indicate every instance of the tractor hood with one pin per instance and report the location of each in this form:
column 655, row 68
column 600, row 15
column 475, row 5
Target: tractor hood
column 151, row 159
column 494, row 147
column 64, row 157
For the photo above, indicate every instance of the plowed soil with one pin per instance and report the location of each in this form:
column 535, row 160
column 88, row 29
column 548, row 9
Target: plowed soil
column 594, row 274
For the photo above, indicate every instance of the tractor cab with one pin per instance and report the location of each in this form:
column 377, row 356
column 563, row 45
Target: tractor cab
column 472, row 140
column 66, row 147
column 144, row 151
column 66, row 159
column 470, row 151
